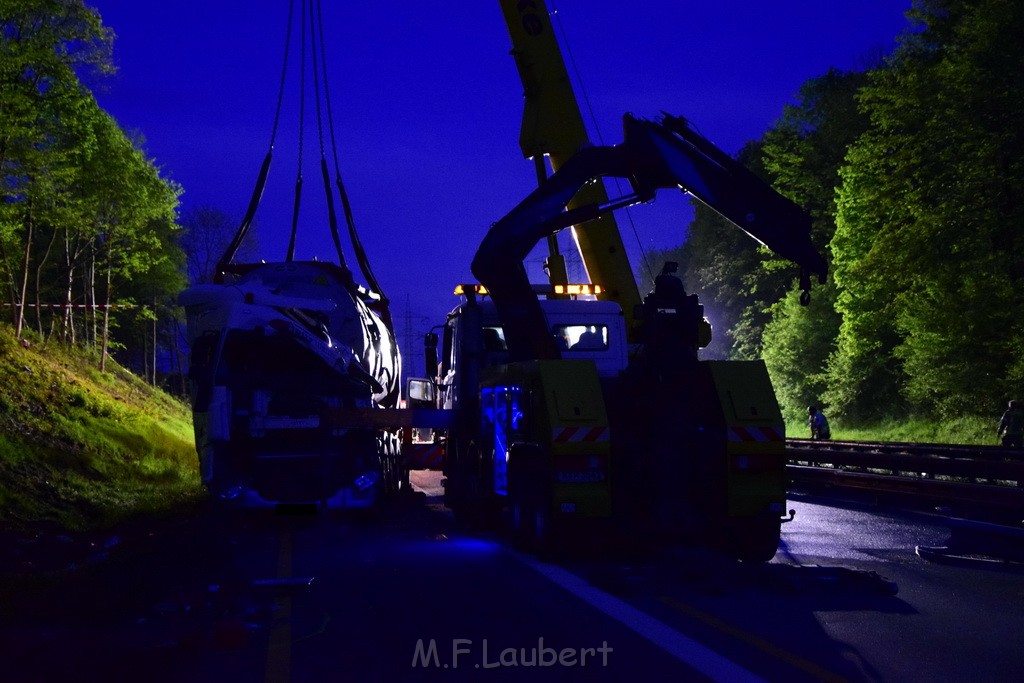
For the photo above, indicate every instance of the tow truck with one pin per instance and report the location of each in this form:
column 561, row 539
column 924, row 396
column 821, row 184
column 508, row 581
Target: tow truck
column 631, row 429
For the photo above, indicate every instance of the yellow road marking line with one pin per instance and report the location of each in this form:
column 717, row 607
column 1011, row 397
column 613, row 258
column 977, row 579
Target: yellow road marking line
column 758, row 642
column 279, row 647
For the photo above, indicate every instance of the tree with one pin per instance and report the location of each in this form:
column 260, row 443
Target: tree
column 929, row 232
column 79, row 199
column 797, row 342
column 44, row 43
column 135, row 218
column 151, row 323
column 803, row 152
column 206, row 233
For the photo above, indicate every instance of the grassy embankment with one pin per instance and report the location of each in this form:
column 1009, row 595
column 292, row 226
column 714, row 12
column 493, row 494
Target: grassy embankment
column 81, row 449
column 966, row 429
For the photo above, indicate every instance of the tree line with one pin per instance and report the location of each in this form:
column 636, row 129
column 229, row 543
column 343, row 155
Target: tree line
column 92, row 249
column 913, row 173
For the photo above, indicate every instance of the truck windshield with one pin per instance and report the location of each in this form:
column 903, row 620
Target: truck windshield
column 581, row 337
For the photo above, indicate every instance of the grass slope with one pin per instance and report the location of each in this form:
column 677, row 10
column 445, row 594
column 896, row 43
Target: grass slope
column 81, row 449
column 966, row 429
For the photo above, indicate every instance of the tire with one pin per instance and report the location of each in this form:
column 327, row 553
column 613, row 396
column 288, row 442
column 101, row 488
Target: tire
column 519, row 523
column 470, row 501
column 753, row 539
column 542, row 533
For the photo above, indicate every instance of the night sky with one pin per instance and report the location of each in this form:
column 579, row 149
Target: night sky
column 427, row 106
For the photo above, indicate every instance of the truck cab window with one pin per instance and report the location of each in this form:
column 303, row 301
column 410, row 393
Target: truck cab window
column 494, row 339
column 447, row 349
column 581, row 337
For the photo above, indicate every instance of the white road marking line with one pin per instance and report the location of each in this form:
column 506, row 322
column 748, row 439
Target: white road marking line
column 683, row 648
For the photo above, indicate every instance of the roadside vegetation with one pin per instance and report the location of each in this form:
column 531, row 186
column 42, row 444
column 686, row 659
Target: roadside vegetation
column 83, row 449
column 967, row 430
column 912, row 171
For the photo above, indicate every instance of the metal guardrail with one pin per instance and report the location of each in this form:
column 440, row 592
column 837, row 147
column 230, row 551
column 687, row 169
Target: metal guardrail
column 930, row 449
column 986, row 481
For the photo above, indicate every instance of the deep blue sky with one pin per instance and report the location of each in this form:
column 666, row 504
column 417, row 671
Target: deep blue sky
column 427, row 106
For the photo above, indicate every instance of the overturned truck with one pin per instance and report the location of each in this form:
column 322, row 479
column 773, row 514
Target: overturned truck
column 293, row 361
column 277, row 349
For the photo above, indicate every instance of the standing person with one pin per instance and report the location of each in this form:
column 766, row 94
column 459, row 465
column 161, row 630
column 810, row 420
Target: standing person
column 1011, row 426
column 818, row 424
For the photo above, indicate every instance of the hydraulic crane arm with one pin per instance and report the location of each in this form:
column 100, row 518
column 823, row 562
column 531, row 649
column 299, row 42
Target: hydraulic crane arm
column 654, row 155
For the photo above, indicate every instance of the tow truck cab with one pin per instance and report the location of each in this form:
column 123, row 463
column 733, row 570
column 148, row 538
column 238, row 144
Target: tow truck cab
column 588, row 330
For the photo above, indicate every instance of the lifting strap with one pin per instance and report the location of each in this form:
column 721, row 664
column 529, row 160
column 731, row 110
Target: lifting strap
column 317, row 44
column 261, row 178
column 302, row 135
column 357, row 245
column 332, row 217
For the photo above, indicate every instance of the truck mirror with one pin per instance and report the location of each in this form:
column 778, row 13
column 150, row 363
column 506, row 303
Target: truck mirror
column 420, row 391
column 430, row 353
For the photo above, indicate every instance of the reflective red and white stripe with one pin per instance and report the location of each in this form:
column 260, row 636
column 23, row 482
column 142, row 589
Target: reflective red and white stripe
column 756, row 434
column 425, row 456
column 580, row 434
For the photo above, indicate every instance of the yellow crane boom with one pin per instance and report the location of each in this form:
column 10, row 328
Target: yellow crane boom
column 553, row 127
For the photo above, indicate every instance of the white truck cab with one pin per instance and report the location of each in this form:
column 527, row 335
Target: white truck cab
column 584, row 329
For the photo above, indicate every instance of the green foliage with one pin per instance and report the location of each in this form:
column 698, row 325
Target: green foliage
column 964, row 429
column 928, row 251
column 913, row 174
column 85, row 216
column 740, row 285
column 43, row 134
column 802, row 153
column 797, row 343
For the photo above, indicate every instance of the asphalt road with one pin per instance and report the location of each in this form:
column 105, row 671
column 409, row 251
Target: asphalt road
column 410, row 596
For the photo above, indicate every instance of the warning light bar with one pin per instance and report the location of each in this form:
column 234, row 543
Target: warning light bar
column 476, row 289
column 571, row 290
column 578, row 289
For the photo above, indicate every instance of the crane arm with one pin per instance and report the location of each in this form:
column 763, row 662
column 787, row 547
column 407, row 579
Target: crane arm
column 654, row 155
column 553, row 128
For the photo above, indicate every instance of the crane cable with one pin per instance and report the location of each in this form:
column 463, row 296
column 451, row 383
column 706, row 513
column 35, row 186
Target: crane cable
column 315, row 23
column 597, row 129
column 357, row 245
column 319, row 69
column 261, row 178
column 302, row 126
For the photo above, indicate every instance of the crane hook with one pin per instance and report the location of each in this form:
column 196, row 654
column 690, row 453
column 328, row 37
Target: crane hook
column 805, row 285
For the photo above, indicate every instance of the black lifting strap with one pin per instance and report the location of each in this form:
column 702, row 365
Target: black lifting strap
column 357, row 246
column 302, row 118
column 261, row 179
column 332, row 217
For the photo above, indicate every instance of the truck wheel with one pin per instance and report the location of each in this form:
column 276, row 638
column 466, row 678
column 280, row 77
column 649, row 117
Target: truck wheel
column 471, row 508
column 396, row 479
column 754, row 540
column 542, row 532
column 386, row 471
column 519, row 522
